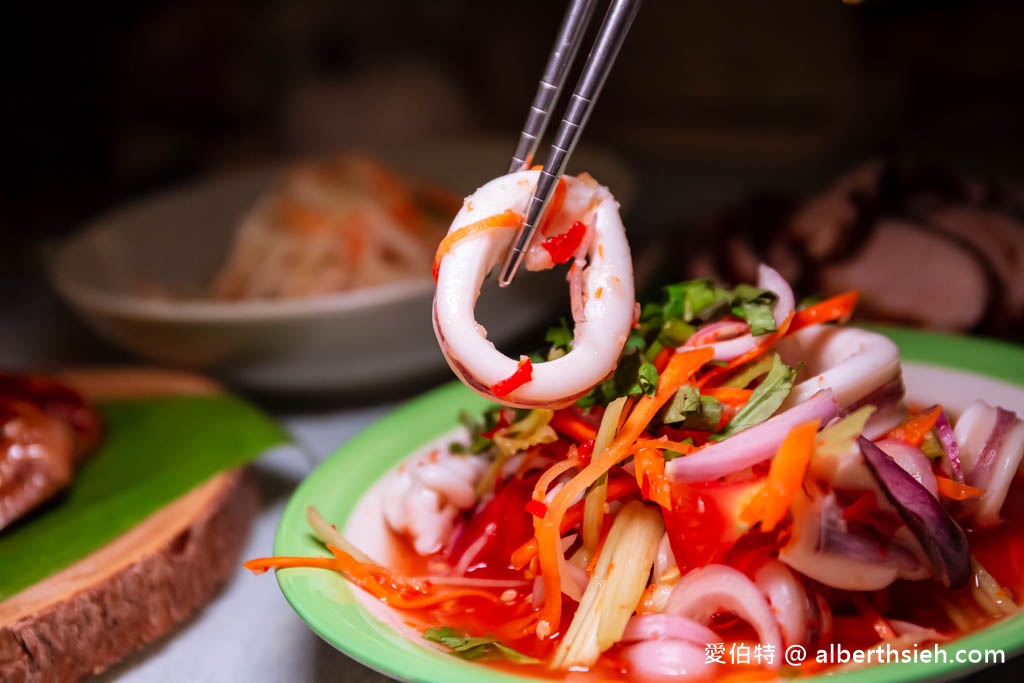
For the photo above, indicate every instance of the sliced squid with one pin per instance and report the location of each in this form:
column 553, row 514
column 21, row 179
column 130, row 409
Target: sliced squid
column 423, row 498
column 856, row 365
column 601, row 279
column 991, row 444
column 715, row 588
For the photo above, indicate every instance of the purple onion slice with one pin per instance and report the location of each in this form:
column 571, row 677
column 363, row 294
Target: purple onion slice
column 944, row 431
column 943, row 540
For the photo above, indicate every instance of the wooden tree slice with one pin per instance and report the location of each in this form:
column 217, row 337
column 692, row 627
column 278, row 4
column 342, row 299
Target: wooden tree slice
column 138, row 587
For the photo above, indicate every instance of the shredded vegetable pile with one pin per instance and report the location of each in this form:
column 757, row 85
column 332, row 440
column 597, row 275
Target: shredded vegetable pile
column 749, row 473
column 333, row 225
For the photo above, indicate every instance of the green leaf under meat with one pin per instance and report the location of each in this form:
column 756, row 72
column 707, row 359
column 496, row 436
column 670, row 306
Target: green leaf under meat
column 154, row 450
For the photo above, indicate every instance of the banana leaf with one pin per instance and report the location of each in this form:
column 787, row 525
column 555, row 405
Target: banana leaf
column 154, row 450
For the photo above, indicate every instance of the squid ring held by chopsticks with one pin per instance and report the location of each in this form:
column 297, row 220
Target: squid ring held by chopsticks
column 584, row 217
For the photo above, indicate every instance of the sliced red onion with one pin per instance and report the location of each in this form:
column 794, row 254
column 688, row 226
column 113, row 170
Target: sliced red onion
column 716, row 588
column 941, row 537
column 883, row 421
column 738, row 338
column 769, row 279
column 573, row 579
column 950, row 448
column 788, row 600
column 669, row 661
column 913, row 461
column 835, row 537
column 667, row 627
column 823, row 549
column 889, row 407
column 752, row 445
column 884, row 397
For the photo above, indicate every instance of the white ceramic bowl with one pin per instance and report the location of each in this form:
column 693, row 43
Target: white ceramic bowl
column 350, row 342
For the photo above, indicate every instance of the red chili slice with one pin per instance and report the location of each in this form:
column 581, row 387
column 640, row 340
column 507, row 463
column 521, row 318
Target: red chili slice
column 562, row 247
column 522, row 375
column 537, row 508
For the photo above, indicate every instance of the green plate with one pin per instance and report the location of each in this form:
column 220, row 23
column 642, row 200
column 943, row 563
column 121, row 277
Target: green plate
column 326, row 602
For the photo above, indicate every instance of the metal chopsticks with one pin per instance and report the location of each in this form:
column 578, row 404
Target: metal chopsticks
column 602, row 56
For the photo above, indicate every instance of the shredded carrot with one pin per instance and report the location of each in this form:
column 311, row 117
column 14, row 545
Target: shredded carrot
column 547, row 531
column 506, row 219
column 661, row 360
column 765, row 344
column 914, row 430
column 729, row 396
column 838, row 308
column 378, row 581
column 650, row 476
column 664, row 443
column 954, row 490
column 618, row 487
column 786, row 473
column 566, row 422
column 540, row 489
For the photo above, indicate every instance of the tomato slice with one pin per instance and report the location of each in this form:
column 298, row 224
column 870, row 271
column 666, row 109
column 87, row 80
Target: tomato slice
column 703, row 524
column 505, row 523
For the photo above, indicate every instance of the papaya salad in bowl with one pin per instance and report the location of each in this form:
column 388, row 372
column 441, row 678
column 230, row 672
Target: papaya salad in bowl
column 688, row 495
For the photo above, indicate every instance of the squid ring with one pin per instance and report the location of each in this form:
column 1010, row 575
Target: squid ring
column 601, row 284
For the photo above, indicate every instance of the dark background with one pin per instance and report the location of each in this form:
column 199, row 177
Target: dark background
column 105, row 101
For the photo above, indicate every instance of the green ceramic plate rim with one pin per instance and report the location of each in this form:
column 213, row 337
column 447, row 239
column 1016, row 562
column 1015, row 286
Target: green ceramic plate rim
column 325, row 601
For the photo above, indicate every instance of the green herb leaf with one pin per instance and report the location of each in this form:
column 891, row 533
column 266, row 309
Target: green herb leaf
column 469, row 647
column 560, row 337
column 635, row 376
column 647, row 378
column 675, row 332
column 691, row 410
column 477, row 426
column 696, row 301
column 748, row 372
column 764, row 400
column 931, row 447
column 755, row 306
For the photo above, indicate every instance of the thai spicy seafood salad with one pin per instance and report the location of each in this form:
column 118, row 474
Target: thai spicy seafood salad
column 745, row 472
